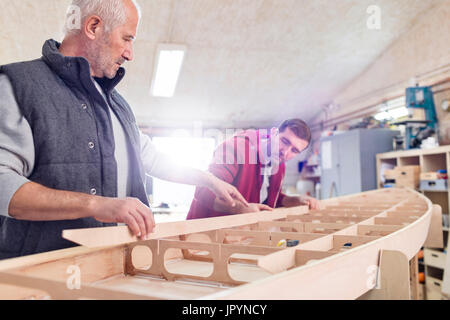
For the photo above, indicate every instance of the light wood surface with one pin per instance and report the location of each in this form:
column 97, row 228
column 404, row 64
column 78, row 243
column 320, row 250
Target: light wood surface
column 392, row 282
column 110, row 236
column 237, row 257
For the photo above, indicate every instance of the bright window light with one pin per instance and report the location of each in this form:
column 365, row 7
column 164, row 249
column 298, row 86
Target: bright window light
column 392, row 114
column 186, row 151
column 396, row 103
column 398, row 112
column 168, row 63
column 382, row 116
column 392, row 109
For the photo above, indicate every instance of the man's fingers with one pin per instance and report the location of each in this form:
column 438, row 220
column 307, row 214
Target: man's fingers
column 149, row 223
column 147, row 215
column 228, row 198
column 313, row 205
column 140, row 222
column 265, row 207
column 239, row 197
column 132, row 224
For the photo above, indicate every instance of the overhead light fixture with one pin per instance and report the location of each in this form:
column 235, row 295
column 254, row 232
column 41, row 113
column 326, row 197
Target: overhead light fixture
column 399, row 112
column 383, row 115
column 168, row 63
column 392, row 114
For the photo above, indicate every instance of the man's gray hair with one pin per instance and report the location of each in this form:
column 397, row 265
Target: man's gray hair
column 112, row 12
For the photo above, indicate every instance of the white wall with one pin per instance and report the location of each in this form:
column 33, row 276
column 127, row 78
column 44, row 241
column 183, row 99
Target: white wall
column 422, row 53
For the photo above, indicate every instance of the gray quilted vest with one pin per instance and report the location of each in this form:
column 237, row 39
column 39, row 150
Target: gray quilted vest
column 73, row 140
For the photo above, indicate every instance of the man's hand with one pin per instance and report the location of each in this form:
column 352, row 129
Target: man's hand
column 136, row 215
column 34, row 202
column 221, row 206
column 290, row 201
column 313, row 203
column 256, row 207
column 225, row 191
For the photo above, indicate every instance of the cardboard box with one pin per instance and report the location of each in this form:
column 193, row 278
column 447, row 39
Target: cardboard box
column 390, row 174
column 431, row 176
column 407, row 176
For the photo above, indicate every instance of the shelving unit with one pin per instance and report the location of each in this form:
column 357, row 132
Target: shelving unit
column 312, row 172
column 429, row 160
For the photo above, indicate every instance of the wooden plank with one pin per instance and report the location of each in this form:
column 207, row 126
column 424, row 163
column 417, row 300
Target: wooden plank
column 377, row 229
column 413, row 152
column 324, row 227
column 59, row 290
column 165, row 290
column 340, row 240
column 403, row 214
column 303, row 257
column 93, row 266
column 214, row 269
column 341, row 276
column 393, row 278
column 414, row 275
column 317, row 282
column 234, row 236
column 279, row 261
column 393, row 221
column 325, row 219
column 344, row 213
column 282, row 261
column 276, row 237
column 110, row 236
column 284, row 226
column 435, row 237
column 51, row 256
column 307, row 266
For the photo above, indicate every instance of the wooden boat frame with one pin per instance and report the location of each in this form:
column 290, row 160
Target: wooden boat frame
column 353, row 246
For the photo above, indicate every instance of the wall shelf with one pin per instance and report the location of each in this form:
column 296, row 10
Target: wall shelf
column 429, row 160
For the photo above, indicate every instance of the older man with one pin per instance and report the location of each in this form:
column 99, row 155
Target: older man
column 71, row 154
column 254, row 162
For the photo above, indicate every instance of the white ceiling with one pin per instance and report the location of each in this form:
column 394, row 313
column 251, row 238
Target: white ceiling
column 249, row 62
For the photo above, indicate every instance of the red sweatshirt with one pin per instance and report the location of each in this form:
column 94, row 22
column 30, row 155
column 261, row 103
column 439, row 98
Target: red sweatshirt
column 237, row 162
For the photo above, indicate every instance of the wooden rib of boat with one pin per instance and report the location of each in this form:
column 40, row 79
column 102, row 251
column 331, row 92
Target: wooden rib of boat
column 234, row 257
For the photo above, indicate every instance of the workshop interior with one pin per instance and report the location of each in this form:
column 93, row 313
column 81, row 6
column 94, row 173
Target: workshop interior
column 211, row 149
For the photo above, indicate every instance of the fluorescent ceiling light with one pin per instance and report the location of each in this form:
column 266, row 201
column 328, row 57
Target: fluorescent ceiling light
column 396, row 103
column 168, row 63
column 382, row 116
column 392, row 114
column 399, row 112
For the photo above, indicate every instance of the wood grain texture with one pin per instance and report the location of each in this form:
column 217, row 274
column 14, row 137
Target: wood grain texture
column 110, row 236
column 237, row 257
